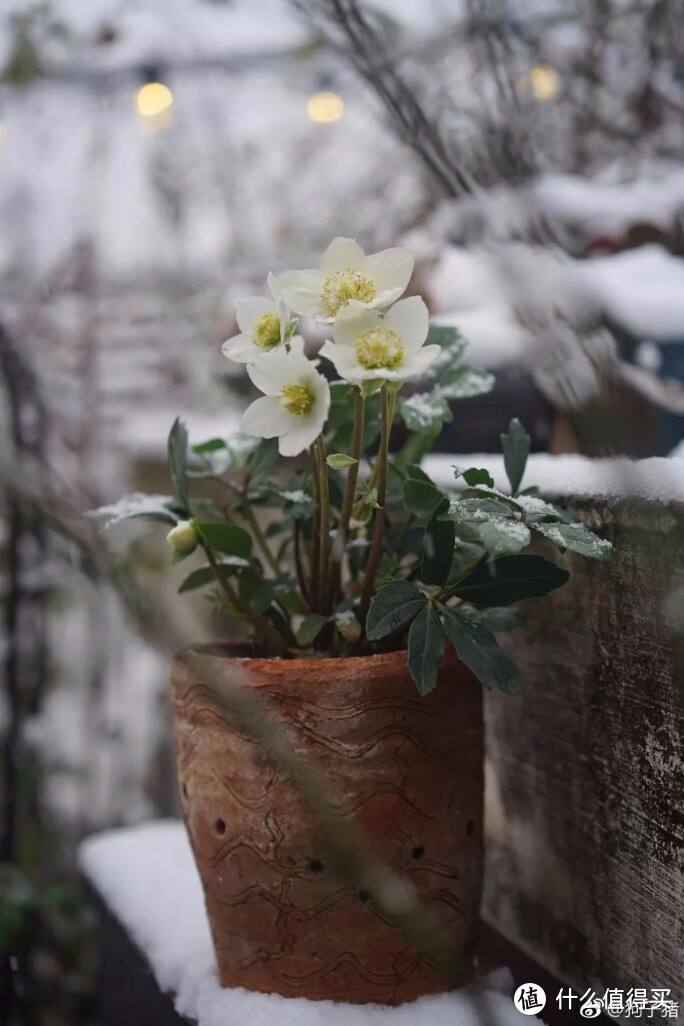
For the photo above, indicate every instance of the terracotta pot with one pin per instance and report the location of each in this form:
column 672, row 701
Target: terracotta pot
column 407, row 769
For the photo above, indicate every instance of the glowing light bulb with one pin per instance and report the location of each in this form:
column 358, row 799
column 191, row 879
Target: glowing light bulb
column 325, row 107
column 545, row 82
column 153, row 99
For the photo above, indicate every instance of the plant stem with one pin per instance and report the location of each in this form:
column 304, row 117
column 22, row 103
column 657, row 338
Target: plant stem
column 261, row 624
column 324, row 493
column 260, row 537
column 314, row 562
column 348, row 500
column 298, row 564
column 379, row 519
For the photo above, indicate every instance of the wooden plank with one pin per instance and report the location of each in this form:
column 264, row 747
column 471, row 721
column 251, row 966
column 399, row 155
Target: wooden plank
column 584, row 794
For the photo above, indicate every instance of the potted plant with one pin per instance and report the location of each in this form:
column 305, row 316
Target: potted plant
column 370, row 600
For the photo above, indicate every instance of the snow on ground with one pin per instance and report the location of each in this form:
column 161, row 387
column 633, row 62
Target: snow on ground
column 148, row 879
column 642, row 288
column 657, row 479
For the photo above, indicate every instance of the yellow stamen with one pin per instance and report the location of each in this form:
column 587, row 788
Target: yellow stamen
column 342, row 286
column 297, row 399
column 266, row 331
column 379, row 348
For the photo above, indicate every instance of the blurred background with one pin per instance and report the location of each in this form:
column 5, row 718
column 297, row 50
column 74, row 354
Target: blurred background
column 156, row 161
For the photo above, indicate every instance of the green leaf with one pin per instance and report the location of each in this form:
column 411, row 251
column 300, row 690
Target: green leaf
column 228, row 538
column 347, row 624
column 177, row 449
column 475, row 476
column 263, row 458
column 426, row 644
column 438, row 551
column 576, row 538
column 205, row 574
column 368, row 388
column 501, row 618
column 516, row 449
column 212, row 445
column 477, row 511
column 503, row 536
column 310, row 628
column 465, row 383
column 178, row 555
column 417, row 473
column 509, row 579
column 393, row 607
column 425, row 411
column 453, row 345
column 421, row 497
column 477, row 647
column 339, row 460
column 137, row 506
column 367, row 495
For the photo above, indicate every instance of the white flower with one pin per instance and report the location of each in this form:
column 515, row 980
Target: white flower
column 264, row 326
column 295, row 403
column 183, row 537
column 370, row 347
column 347, row 274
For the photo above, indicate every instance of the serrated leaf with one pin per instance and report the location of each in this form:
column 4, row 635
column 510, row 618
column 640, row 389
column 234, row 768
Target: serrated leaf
column 576, row 538
column 509, row 579
column 367, row 495
column 421, row 497
column 310, row 628
column 503, row 536
column 477, row 510
column 227, row 538
column 516, row 449
column 426, row 644
column 339, row 460
column 177, row 451
column 465, row 382
column 425, row 411
column 477, row 648
column 392, row 607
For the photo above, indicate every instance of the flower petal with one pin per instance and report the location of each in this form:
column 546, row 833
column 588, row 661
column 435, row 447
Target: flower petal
column 301, row 433
column 391, row 268
column 410, row 319
column 270, row 372
column 351, row 321
column 249, row 310
column 343, row 358
column 266, row 418
column 419, row 361
column 386, row 298
column 239, row 348
column 301, row 290
column 342, row 254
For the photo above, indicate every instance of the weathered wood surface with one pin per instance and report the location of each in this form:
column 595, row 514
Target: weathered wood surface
column 585, row 785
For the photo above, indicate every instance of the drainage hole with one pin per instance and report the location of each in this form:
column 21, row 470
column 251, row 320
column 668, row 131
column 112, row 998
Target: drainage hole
column 418, row 852
column 220, row 826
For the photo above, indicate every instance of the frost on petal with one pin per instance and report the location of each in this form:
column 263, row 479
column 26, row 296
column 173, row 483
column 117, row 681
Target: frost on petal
column 266, row 418
column 249, row 310
column 410, row 319
column 391, row 269
column 341, row 255
column 301, row 291
column 239, row 348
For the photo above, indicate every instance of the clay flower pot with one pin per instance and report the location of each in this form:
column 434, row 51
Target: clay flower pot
column 407, row 769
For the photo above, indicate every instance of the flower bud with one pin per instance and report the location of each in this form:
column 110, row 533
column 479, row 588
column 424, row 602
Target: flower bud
column 183, row 537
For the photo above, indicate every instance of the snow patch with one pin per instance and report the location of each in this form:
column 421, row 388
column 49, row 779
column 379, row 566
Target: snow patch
column 148, row 879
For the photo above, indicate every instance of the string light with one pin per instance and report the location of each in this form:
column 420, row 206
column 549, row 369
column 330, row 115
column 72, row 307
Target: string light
column 152, row 99
column 325, row 107
column 545, row 82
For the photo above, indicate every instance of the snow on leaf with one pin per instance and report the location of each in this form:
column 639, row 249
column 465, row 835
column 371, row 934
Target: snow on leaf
column 137, row 505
